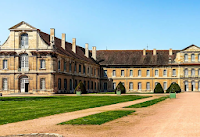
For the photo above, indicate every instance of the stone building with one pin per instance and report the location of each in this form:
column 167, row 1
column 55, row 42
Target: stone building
column 35, row 62
column 141, row 70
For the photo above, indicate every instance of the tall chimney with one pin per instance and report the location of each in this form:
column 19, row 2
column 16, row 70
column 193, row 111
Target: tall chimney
column 154, row 51
column 63, row 40
column 52, row 37
column 74, row 45
column 170, row 51
column 144, row 52
column 86, row 50
column 94, row 53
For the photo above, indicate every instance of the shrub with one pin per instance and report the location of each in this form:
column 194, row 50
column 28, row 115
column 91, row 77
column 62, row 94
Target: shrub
column 174, row 87
column 120, row 87
column 81, row 87
column 158, row 89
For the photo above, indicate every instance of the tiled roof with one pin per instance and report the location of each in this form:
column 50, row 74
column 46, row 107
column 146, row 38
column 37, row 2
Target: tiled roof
column 134, row 57
column 80, row 52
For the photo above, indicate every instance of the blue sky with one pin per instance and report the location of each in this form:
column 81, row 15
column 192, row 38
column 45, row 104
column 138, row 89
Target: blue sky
column 111, row 24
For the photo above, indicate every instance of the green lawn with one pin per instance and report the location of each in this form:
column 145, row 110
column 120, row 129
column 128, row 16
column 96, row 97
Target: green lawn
column 100, row 118
column 148, row 103
column 13, row 109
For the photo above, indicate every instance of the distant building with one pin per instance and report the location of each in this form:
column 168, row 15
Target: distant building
column 35, row 62
column 141, row 70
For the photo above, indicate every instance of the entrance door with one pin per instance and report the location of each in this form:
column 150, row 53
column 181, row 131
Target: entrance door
column 193, row 86
column 24, row 85
column 186, row 85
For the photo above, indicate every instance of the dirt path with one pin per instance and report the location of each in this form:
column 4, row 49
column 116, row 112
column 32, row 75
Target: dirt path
column 48, row 124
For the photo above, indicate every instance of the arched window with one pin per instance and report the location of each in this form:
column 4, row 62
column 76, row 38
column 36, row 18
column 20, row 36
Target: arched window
column 24, row 41
column 193, row 72
column 192, row 57
column 186, row 72
column 186, row 57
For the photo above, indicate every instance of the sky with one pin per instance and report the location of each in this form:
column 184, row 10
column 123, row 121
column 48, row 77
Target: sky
column 109, row 24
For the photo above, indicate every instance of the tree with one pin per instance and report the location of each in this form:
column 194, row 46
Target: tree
column 81, row 87
column 174, row 87
column 158, row 89
column 120, row 87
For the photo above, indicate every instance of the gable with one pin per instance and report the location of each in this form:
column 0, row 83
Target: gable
column 192, row 48
column 22, row 25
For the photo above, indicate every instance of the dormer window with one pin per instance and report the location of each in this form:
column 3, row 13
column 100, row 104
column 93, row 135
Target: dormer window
column 186, row 57
column 24, row 41
column 192, row 57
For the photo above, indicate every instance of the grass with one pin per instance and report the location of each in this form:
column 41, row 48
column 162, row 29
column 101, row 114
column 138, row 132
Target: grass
column 14, row 109
column 148, row 103
column 98, row 119
column 103, row 93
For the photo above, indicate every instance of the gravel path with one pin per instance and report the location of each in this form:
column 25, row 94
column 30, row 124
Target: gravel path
column 48, row 124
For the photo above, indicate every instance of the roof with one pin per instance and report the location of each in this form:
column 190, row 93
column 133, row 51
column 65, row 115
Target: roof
column 80, row 52
column 134, row 57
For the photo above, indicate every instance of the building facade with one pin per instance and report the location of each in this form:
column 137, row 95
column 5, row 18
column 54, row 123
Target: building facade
column 32, row 61
column 141, row 70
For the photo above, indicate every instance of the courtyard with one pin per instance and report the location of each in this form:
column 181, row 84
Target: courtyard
column 171, row 117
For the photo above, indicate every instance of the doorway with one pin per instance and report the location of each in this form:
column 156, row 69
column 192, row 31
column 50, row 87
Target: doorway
column 24, row 82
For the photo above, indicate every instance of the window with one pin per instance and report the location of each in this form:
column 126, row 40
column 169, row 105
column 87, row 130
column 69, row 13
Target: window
column 95, row 86
column 199, row 85
column 174, row 72
column 42, row 64
column 79, row 68
column 92, row 85
column 131, row 73
column 88, row 70
column 122, row 72
column 165, row 72
column 199, row 57
column 165, row 85
column 156, row 83
column 24, row 41
column 95, row 72
column 91, row 71
column 105, row 86
column 42, row 83
column 75, row 67
column 130, row 85
column 5, row 64
column 139, row 73
column 139, row 86
column 192, row 57
column 198, row 72
column 88, row 85
column 105, row 73
column 75, row 83
column 148, row 86
column 65, row 84
column 70, row 84
column 186, row 72
column 24, row 62
column 59, row 84
column 193, row 72
column 65, row 65
column 186, row 85
column 114, row 73
column 186, row 57
column 156, row 73
column 114, row 85
column 58, row 64
column 193, row 85
column 83, row 69
column 5, row 84
column 148, row 73
column 70, row 67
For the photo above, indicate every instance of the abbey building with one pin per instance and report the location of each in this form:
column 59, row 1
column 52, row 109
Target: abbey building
column 32, row 61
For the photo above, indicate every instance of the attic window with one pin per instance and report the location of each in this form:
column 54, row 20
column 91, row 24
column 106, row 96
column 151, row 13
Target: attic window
column 24, row 41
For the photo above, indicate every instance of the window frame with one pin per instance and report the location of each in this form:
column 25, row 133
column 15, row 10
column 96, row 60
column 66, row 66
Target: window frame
column 42, row 84
column 122, row 73
column 5, row 64
column 114, row 73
